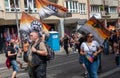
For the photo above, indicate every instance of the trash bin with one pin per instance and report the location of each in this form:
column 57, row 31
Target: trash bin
column 53, row 41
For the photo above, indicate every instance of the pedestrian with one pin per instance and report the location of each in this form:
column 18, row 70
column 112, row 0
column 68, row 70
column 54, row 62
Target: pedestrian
column 90, row 49
column 106, row 46
column 12, row 55
column 66, row 43
column 36, row 57
column 18, row 50
column 81, row 57
column 25, row 46
column 61, row 41
column 117, row 48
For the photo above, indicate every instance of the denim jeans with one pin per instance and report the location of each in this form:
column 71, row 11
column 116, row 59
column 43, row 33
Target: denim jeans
column 14, row 65
column 92, row 68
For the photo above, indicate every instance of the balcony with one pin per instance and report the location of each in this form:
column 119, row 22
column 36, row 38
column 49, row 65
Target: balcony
column 96, row 2
column 114, row 15
column 111, row 2
column 105, row 14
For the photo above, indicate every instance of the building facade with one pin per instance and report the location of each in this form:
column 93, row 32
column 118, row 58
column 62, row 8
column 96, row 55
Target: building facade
column 10, row 19
column 78, row 8
column 107, row 11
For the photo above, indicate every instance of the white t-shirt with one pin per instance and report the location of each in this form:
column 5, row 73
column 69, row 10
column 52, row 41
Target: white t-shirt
column 89, row 49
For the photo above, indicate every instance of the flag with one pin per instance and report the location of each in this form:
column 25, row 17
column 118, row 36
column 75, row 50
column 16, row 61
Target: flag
column 27, row 20
column 46, row 9
column 99, row 27
column 95, row 27
column 29, row 23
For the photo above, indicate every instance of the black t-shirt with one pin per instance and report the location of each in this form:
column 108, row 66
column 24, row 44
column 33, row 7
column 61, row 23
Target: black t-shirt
column 66, row 41
column 12, row 50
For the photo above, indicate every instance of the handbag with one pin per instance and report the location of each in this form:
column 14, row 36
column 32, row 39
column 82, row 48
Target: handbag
column 8, row 64
column 93, row 58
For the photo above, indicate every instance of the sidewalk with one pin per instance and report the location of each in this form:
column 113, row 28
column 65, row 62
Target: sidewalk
column 2, row 58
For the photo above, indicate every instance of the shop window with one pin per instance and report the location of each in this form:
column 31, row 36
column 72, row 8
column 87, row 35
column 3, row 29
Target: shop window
column 30, row 5
column 10, row 5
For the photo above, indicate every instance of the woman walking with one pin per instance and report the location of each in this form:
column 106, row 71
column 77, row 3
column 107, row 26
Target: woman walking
column 90, row 49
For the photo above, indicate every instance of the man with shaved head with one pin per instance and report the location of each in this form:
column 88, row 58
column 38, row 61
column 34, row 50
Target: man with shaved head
column 36, row 56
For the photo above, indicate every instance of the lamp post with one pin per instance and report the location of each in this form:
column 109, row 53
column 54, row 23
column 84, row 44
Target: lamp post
column 16, row 13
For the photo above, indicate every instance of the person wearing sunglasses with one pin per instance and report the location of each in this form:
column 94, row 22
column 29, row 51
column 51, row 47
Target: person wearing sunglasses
column 90, row 49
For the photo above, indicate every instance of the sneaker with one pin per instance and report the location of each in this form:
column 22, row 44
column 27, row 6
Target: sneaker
column 86, row 76
column 83, row 74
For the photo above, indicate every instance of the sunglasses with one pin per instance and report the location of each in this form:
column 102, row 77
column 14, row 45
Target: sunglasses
column 91, row 36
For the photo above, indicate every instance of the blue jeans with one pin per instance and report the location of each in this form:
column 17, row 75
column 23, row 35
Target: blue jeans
column 92, row 68
column 14, row 65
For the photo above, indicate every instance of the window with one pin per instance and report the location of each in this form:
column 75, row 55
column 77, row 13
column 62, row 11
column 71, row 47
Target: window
column 72, row 6
column 112, row 9
column 10, row 7
column 82, row 8
column 30, row 5
column 95, row 8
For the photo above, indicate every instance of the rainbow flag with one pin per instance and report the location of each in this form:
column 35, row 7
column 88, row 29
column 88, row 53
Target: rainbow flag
column 26, row 20
column 46, row 9
column 89, row 57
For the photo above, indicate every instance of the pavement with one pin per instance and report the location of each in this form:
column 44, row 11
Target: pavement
column 110, row 70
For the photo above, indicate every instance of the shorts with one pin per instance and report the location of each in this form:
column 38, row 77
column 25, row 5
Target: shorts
column 14, row 65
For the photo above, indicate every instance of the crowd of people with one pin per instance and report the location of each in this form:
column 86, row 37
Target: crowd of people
column 33, row 52
column 85, row 45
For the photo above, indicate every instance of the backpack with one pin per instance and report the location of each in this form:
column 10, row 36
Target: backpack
column 51, row 53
